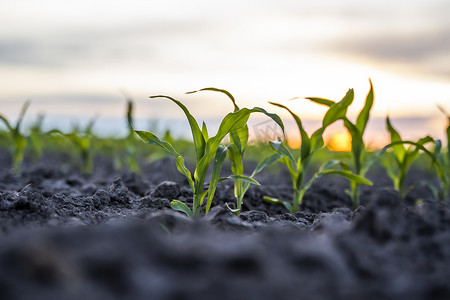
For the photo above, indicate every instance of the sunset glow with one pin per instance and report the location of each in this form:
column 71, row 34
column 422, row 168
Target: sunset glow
column 294, row 143
column 340, row 141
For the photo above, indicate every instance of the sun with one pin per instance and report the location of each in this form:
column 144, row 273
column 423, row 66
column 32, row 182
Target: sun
column 294, row 143
column 341, row 141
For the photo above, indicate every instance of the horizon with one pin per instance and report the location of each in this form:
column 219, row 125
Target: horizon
column 261, row 128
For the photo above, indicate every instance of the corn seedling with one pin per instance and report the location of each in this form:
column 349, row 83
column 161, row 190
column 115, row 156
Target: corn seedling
column 444, row 161
column 443, row 172
column 398, row 164
column 309, row 145
column 360, row 162
column 19, row 141
column 236, row 150
column 36, row 138
column 128, row 158
column 207, row 150
column 442, row 158
column 83, row 142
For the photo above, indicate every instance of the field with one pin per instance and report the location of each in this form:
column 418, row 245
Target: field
column 147, row 216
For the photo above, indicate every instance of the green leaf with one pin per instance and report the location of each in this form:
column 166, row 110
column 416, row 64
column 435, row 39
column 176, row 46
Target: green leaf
column 244, row 178
column 239, row 137
column 332, row 163
column 421, row 147
column 354, row 131
column 448, row 144
column 22, row 114
column 321, row 101
column 90, row 125
column 363, row 116
column 278, row 201
column 18, row 154
column 305, row 149
column 201, row 197
column 388, row 161
column 438, row 152
column 317, row 139
column 237, row 166
column 236, row 108
column 291, row 167
column 261, row 165
column 75, row 138
column 437, row 147
column 325, row 169
column 55, row 131
column 266, row 162
column 398, row 148
column 205, row 132
column 338, row 110
column 358, row 146
column 235, row 211
column 218, row 162
column 7, row 124
column 279, row 147
column 441, row 108
column 180, row 206
column 231, row 121
column 15, row 131
column 349, row 175
column 152, row 139
column 423, row 141
column 297, row 180
column 130, row 114
column 199, row 141
column 274, row 117
column 412, row 155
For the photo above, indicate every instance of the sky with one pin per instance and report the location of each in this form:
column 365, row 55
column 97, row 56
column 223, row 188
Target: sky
column 75, row 59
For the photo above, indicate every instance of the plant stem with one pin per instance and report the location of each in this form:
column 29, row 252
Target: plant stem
column 355, row 186
column 195, row 205
column 355, row 195
column 400, row 185
column 239, row 204
column 298, row 195
column 239, row 194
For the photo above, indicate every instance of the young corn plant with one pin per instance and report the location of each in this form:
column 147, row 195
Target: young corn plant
column 83, row 142
column 443, row 172
column 309, row 145
column 398, row 164
column 207, row 150
column 36, row 138
column 19, row 141
column 236, row 149
column 443, row 160
column 361, row 163
column 128, row 159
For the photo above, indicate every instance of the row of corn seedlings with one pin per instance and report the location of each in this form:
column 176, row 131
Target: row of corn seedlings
column 212, row 150
column 80, row 143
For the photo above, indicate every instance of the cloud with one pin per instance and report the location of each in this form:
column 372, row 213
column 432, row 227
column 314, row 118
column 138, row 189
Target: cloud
column 30, row 53
column 83, row 45
column 399, row 47
column 420, row 53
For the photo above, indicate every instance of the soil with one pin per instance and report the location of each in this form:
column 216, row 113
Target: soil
column 112, row 235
